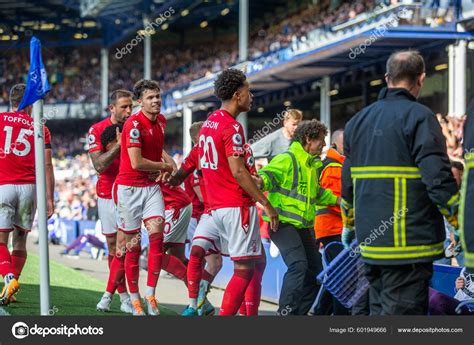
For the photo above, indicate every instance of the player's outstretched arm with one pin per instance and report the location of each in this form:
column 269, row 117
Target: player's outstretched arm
column 245, row 180
column 138, row 162
column 176, row 178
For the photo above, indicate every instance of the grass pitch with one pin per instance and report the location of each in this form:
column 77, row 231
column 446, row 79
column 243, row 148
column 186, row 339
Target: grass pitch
column 71, row 293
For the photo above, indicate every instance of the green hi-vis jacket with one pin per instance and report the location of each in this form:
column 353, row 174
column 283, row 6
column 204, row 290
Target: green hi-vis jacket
column 397, row 182
column 292, row 183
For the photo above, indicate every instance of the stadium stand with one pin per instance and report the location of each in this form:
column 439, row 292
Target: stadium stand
column 184, row 68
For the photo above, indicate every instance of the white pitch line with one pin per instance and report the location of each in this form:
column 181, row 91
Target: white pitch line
column 3, row 312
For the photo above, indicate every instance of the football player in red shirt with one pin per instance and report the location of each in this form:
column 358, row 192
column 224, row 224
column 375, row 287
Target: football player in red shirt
column 17, row 187
column 137, row 197
column 206, row 243
column 191, row 186
column 226, row 173
column 106, row 162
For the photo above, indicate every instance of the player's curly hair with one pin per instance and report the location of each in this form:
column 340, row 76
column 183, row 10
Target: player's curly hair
column 109, row 134
column 142, row 85
column 309, row 129
column 228, row 82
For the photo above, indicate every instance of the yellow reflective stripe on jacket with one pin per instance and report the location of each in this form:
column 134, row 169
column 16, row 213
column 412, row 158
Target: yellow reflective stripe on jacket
column 469, row 164
column 385, row 172
column 402, row 252
column 454, row 199
column 400, row 204
column 403, row 213
column 396, row 206
column 399, row 174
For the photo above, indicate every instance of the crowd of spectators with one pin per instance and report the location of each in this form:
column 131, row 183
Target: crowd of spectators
column 74, row 74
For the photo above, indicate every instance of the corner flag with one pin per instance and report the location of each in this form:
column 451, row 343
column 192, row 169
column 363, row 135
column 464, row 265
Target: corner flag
column 37, row 86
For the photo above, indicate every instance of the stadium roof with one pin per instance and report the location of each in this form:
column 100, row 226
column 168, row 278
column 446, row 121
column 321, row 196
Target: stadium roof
column 65, row 22
column 334, row 58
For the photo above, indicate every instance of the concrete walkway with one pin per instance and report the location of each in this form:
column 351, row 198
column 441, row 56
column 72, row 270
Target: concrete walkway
column 171, row 292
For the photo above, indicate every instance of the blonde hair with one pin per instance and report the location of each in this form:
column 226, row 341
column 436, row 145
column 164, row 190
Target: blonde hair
column 294, row 114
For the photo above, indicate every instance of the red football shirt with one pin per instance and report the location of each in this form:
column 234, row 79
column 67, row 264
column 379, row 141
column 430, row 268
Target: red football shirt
column 191, row 166
column 17, row 148
column 189, row 183
column 221, row 137
column 107, row 178
column 139, row 131
column 175, row 198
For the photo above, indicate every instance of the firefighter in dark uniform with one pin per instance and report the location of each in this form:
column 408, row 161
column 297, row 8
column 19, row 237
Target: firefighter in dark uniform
column 466, row 221
column 396, row 187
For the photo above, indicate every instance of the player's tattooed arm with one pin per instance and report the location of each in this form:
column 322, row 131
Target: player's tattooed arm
column 102, row 160
column 245, row 180
column 138, row 162
column 176, row 178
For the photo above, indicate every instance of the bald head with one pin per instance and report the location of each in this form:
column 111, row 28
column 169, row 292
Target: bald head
column 337, row 140
column 406, row 69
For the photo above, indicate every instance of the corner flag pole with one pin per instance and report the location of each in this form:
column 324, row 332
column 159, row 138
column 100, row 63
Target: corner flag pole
column 36, row 88
column 42, row 209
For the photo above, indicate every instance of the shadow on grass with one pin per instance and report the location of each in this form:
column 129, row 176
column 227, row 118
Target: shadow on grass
column 65, row 302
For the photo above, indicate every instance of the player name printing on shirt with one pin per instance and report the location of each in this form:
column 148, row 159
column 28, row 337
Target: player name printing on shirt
column 215, row 149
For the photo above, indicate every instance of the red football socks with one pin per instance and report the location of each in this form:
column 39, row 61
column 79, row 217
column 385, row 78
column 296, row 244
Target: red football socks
column 235, row 291
column 155, row 258
column 117, row 274
column 207, row 276
column 254, row 291
column 132, row 268
column 5, row 260
column 174, row 266
column 18, row 259
column 196, row 258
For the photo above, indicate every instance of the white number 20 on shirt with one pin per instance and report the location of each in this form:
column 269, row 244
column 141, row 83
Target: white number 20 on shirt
column 209, row 158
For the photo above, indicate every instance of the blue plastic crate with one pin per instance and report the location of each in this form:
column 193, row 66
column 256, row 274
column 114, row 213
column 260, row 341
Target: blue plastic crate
column 344, row 276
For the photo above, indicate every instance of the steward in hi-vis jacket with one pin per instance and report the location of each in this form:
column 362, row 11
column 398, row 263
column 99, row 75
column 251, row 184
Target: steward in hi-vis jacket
column 293, row 190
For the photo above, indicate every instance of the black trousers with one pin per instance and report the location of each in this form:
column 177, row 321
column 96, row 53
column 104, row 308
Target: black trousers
column 327, row 304
column 399, row 290
column 300, row 254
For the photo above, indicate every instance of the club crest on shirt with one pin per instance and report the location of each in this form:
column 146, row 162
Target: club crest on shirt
column 253, row 245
